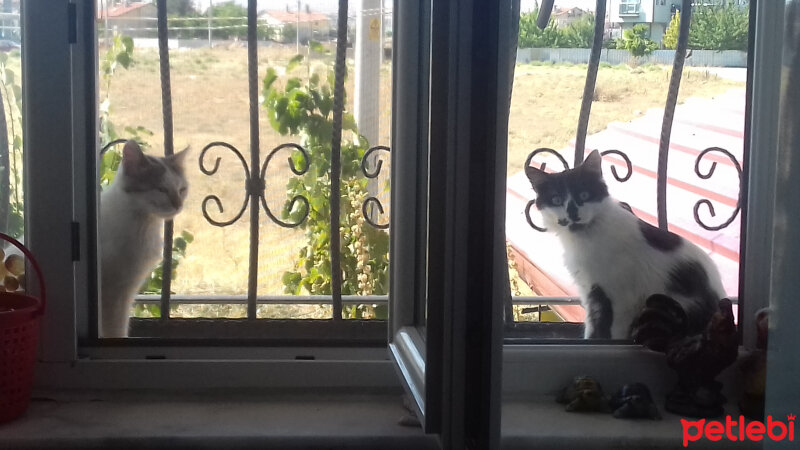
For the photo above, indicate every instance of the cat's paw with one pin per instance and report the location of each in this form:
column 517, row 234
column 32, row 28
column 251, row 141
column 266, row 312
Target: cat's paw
column 662, row 321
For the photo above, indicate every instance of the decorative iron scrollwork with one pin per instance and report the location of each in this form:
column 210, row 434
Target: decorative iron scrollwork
column 708, row 175
column 254, row 184
column 372, row 174
column 111, row 144
column 297, row 171
column 549, row 151
column 215, row 199
column 542, row 166
column 628, row 165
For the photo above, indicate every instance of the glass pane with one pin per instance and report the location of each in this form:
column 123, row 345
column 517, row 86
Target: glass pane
column 626, row 116
column 218, row 263
column 12, row 198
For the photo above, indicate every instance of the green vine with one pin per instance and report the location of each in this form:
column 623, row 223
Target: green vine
column 303, row 107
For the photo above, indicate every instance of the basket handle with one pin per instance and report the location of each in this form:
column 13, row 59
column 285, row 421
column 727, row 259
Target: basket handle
column 33, row 262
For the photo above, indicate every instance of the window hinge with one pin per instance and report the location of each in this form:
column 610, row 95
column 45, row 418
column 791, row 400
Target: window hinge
column 76, row 240
column 73, row 23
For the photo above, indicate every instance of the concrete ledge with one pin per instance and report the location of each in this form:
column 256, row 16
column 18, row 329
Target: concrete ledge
column 205, row 419
column 543, row 423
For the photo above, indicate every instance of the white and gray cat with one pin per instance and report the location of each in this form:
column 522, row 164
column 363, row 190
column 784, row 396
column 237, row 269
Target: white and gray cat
column 618, row 260
column 146, row 191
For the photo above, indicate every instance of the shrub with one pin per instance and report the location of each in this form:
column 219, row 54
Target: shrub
column 670, row 39
column 635, row 40
column 578, row 34
column 712, row 28
column 304, row 108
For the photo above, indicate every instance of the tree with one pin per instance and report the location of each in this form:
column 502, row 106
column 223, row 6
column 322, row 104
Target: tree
column 288, row 33
column 635, row 40
column 231, row 18
column 670, row 39
column 579, row 34
column 531, row 36
column 181, row 8
column 719, row 28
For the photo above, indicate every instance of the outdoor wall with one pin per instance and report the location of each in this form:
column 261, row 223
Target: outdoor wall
column 701, row 58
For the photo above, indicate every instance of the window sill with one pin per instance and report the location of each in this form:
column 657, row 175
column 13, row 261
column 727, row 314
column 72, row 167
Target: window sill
column 542, row 423
column 210, row 419
column 270, row 419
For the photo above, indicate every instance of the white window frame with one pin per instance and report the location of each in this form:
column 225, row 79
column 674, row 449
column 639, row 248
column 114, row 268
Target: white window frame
column 631, row 7
column 60, row 124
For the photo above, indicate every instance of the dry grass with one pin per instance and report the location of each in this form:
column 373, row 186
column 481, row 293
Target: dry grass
column 210, row 103
column 547, row 100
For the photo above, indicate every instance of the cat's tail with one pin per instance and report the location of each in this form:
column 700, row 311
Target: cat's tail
column 662, row 321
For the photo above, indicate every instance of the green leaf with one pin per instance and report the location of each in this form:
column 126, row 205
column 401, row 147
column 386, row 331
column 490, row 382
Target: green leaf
column 293, row 83
column 317, row 47
column 124, row 59
column 349, row 122
column 294, row 62
column 180, row 245
column 269, row 78
column 187, row 236
column 127, row 41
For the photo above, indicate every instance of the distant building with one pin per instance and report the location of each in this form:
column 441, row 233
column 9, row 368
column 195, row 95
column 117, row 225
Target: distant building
column 565, row 16
column 308, row 26
column 130, row 18
column 656, row 14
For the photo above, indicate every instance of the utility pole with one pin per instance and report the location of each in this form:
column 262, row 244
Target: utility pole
column 210, row 12
column 367, row 79
column 366, row 99
column 297, row 28
column 105, row 22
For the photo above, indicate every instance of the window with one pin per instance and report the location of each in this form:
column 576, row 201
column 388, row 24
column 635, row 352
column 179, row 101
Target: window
column 62, row 69
column 451, row 94
column 12, row 198
column 630, row 7
column 252, row 252
column 624, row 119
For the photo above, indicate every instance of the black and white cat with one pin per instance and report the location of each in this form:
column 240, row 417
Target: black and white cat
column 146, row 191
column 618, row 260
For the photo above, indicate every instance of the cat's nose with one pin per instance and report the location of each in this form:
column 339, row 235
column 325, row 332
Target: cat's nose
column 572, row 211
column 176, row 200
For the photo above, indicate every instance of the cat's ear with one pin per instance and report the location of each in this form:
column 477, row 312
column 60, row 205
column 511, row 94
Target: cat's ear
column 132, row 157
column 592, row 163
column 178, row 159
column 536, row 176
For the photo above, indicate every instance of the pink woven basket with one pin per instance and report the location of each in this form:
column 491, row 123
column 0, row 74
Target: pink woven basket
column 20, row 317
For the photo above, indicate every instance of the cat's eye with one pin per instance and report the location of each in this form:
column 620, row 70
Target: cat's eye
column 183, row 190
column 162, row 190
column 583, row 195
column 556, row 200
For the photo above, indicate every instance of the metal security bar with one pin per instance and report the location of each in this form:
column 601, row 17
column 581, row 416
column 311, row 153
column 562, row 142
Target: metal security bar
column 255, row 172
